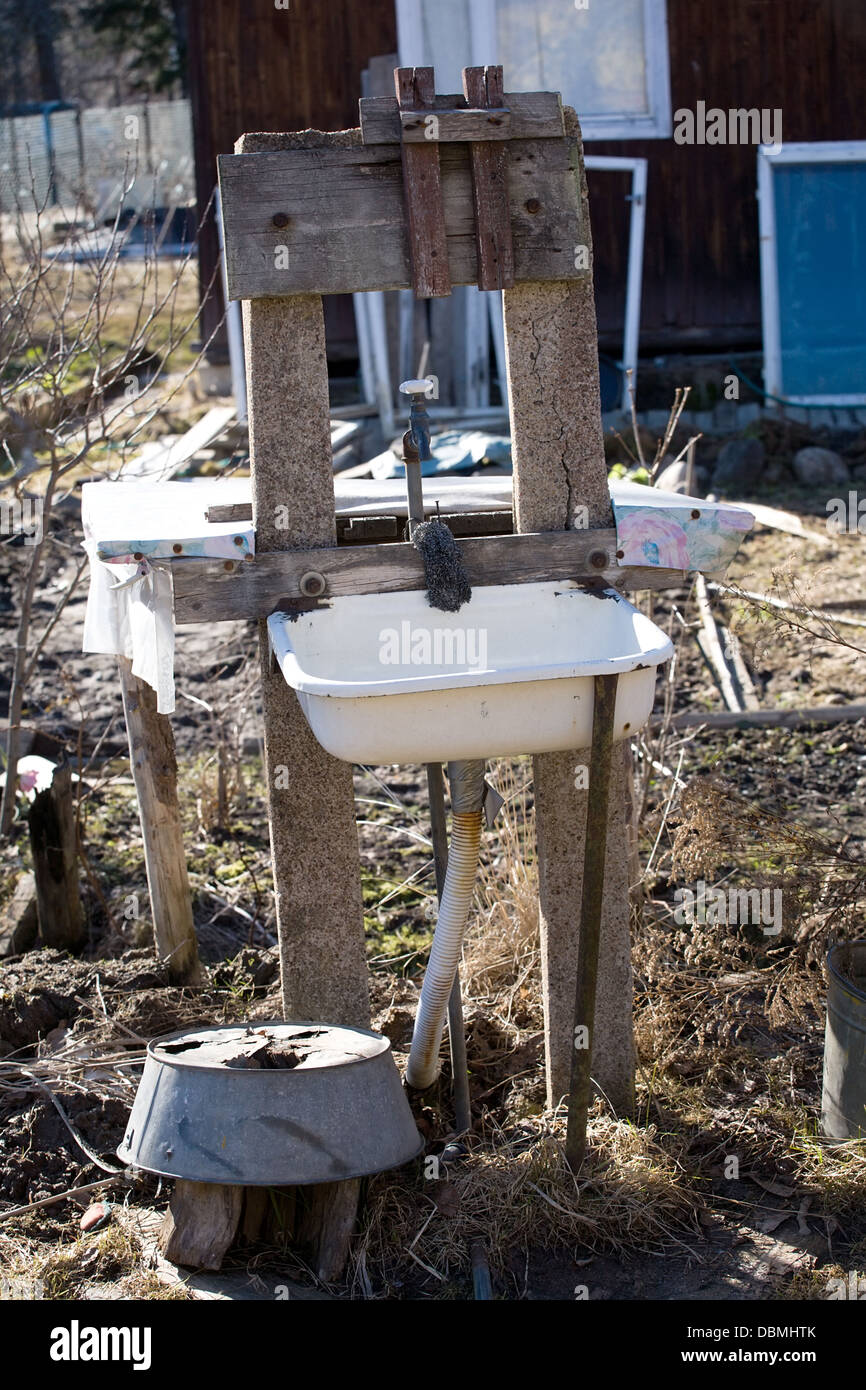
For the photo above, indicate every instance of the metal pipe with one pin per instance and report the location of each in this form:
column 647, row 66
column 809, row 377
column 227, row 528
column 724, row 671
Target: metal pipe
column 592, row 898
column 416, row 447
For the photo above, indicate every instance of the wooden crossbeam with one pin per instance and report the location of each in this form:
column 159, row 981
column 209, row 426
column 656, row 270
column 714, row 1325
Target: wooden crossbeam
column 532, row 116
column 468, row 125
column 219, row 590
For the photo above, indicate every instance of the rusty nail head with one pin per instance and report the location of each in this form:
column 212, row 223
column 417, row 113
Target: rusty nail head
column 229, row 565
column 137, row 555
column 598, row 559
column 178, row 549
column 239, row 540
column 532, row 205
column 695, row 514
column 281, row 219
column 312, row 584
column 620, row 554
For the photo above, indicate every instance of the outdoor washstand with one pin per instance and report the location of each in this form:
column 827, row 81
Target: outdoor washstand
column 498, row 200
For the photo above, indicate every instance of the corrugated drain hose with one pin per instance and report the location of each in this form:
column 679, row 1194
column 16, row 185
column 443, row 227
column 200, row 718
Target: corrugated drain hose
column 467, row 795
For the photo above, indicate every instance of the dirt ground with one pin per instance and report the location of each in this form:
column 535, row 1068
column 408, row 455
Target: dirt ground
column 718, row 1187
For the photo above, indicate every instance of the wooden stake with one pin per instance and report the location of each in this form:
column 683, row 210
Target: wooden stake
column 591, row 904
column 154, row 771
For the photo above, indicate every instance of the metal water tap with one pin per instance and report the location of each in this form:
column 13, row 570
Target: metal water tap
column 416, row 445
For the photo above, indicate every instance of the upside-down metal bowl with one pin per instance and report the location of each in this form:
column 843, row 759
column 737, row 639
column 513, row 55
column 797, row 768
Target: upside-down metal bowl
column 270, row 1104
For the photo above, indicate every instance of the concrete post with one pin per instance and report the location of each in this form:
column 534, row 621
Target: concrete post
column 314, row 841
column 560, row 481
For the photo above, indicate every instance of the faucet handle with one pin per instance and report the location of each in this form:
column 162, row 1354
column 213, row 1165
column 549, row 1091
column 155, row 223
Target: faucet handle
column 418, row 387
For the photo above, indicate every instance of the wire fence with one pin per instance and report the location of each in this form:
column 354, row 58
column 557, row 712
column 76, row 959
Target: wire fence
column 67, row 157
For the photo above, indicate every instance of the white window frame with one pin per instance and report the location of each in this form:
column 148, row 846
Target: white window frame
column 655, row 124
column 818, row 152
column 634, row 281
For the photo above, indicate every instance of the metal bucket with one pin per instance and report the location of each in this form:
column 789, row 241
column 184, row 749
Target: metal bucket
column 843, row 1108
column 271, row 1104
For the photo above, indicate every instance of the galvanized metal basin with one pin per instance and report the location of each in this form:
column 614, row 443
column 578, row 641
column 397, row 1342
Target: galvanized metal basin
column 270, row 1104
column 843, row 1107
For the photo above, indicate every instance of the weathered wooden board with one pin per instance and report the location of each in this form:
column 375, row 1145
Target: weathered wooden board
column 327, row 216
column 489, row 163
column 422, row 190
column 214, row 591
column 534, row 116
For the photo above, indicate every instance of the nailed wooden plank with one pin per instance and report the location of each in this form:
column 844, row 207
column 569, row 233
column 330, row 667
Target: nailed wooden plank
column 217, row 590
column 447, row 126
column 322, row 213
column 483, row 87
column 422, row 192
column 534, row 116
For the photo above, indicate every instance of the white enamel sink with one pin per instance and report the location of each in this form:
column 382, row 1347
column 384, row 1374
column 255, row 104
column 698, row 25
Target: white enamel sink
column 385, row 678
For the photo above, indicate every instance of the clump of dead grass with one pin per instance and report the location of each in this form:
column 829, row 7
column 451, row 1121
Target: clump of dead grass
column 501, row 957
column 515, row 1192
column 113, row 1256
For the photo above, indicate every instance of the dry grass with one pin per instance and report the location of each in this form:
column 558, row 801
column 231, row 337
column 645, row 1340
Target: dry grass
column 112, row 1257
column 515, row 1192
column 501, row 958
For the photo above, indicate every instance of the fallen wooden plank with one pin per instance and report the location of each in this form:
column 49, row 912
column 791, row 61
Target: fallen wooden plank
column 745, row 686
column 768, row 600
column 788, row 522
column 161, row 459
column 329, row 218
column 765, row 718
column 534, row 116
column 711, row 648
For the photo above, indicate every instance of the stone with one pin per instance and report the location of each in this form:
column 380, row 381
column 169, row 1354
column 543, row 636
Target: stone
column 738, row 466
column 19, row 921
column 98, row 1214
column 817, row 467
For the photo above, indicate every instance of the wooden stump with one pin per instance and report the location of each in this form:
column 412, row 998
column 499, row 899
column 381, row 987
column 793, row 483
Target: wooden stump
column 52, row 843
column 154, row 770
column 201, row 1223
